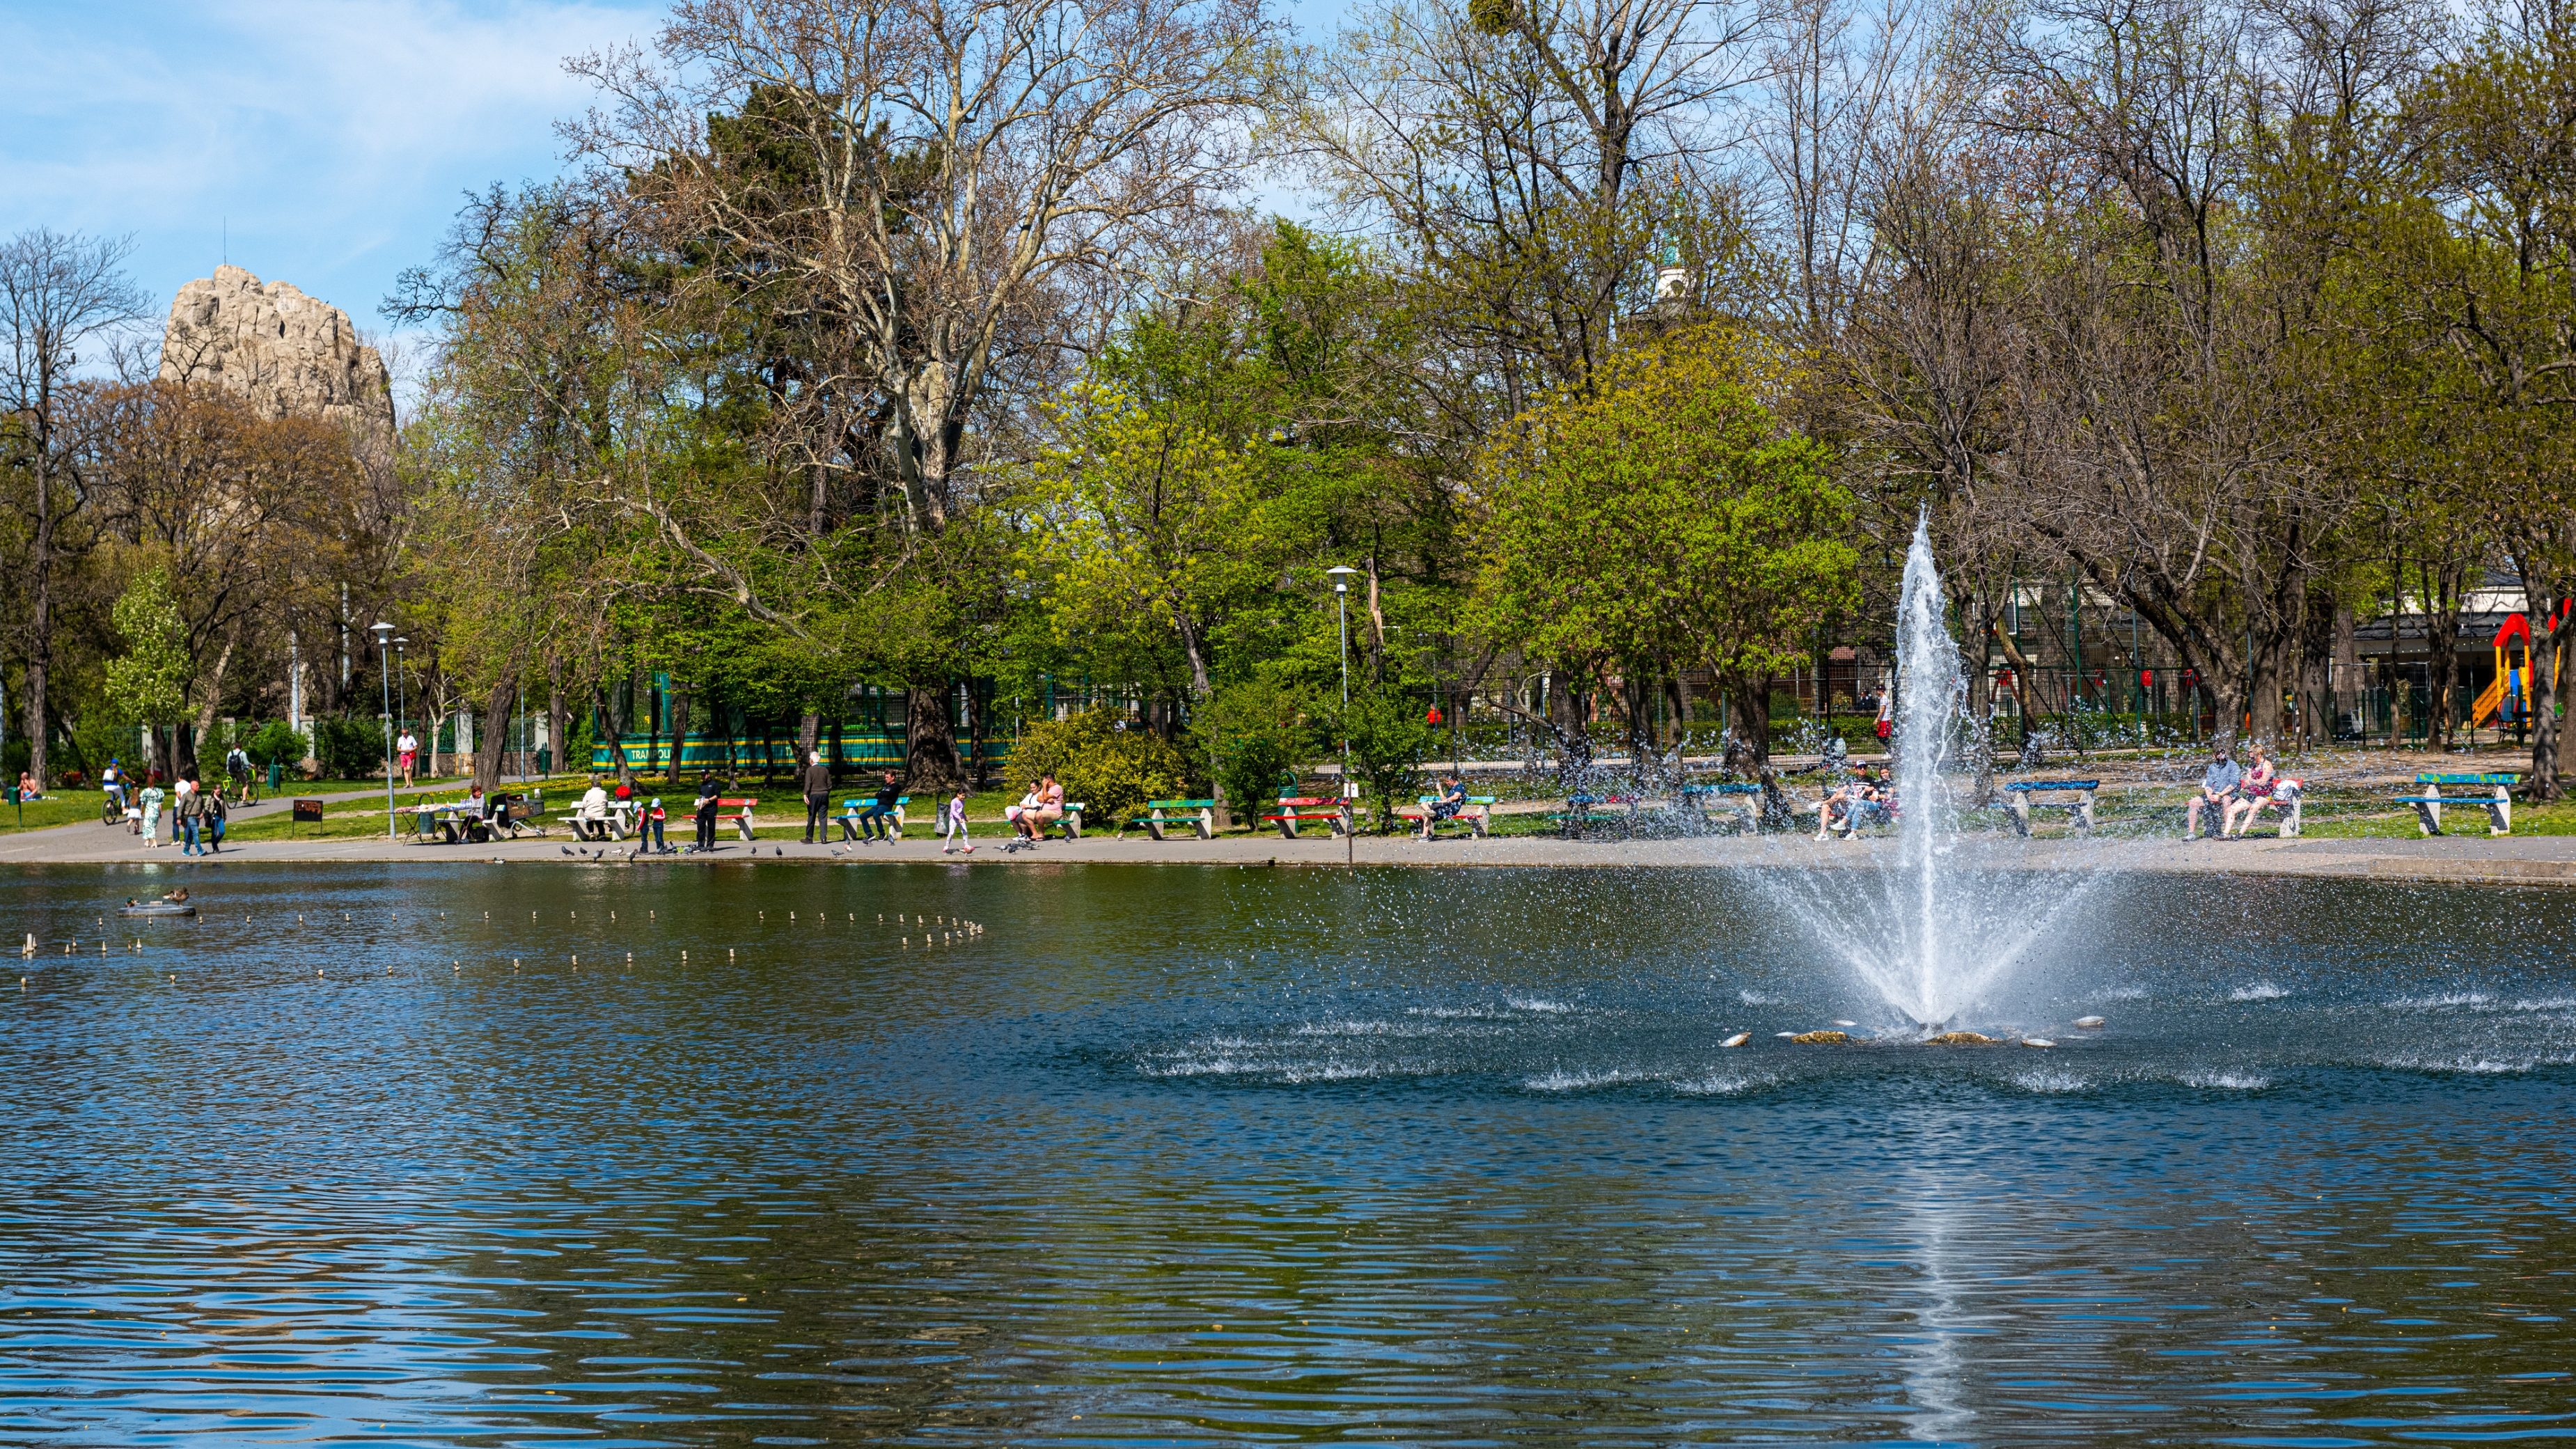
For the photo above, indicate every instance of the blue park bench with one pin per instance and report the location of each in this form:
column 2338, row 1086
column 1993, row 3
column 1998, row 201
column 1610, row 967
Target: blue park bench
column 2020, row 798
column 849, row 817
column 2497, row 796
column 1738, row 801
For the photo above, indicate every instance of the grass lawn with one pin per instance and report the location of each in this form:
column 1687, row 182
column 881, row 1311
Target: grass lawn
column 62, row 807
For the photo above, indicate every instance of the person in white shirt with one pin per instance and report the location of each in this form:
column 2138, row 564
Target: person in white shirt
column 590, row 821
column 406, row 754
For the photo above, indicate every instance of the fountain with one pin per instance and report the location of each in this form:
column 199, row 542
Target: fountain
column 1933, row 933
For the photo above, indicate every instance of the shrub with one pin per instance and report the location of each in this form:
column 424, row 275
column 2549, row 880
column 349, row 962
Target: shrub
column 277, row 743
column 1103, row 763
column 1388, row 740
column 349, row 749
column 1257, row 733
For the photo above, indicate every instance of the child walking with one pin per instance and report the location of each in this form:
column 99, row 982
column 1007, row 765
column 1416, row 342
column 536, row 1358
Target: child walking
column 952, row 825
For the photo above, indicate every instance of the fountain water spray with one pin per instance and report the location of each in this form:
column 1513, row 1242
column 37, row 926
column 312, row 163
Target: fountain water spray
column 1928, row 932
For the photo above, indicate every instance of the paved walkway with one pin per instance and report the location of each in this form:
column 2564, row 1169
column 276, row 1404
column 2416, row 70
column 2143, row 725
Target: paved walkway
column 2534, row 860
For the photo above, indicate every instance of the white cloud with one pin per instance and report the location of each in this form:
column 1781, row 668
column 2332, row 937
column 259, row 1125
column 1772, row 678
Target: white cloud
column 333, row 136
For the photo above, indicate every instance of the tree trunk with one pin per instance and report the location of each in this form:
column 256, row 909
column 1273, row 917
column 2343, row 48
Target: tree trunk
column 1377, row 628
column 2263, row 691
column 559, row 723
column 620, row 714
column 214, row 699
column 809, row 728
column 679, row 733
column 40, row 646
column 2545, row 784
column 930, row 742
column 2345, row 667
column 1748, row 734
column 38, row 727
column 496, row 733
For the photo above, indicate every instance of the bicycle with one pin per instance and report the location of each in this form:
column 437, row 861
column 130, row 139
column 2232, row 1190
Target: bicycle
column 111, row 809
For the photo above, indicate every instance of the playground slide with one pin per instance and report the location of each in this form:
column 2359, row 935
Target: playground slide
column 2487, row 702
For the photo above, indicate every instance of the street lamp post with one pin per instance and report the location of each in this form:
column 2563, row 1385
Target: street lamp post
column 1341, row 576
column 385, row 691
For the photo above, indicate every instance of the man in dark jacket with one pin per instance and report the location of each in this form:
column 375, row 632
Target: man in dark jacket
column 877, row 821
column 708, row 794
column 818, row 797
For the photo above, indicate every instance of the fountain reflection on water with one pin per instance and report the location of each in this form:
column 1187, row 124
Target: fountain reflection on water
column 1931, row 932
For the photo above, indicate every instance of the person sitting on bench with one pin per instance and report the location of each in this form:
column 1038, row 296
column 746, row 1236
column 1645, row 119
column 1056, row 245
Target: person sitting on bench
column 1050, row 809
column 2217, row 787
column 1451, row 800
column 2252, row 793
column 876, row 822
column 590, row 818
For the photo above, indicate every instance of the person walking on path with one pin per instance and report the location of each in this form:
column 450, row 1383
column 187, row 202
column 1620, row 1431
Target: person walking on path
column 211, row 815
column 952, row 825
column 2217, row 791
column 190, row 800
column 406, row 753
column 150, row 825
column 877, row 821
column 818, row 798
column 706, row 810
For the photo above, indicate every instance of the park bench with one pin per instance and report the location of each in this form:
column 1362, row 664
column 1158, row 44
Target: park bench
column 1294, row 809
column 1583, row 811
column 737, row 812
column 449, row 824
column 2497, row 799
column 1477, row 814
column 1199, row 815
column 1738, row 802
column 620, row 819
column 2021, row 797
column 849, row 816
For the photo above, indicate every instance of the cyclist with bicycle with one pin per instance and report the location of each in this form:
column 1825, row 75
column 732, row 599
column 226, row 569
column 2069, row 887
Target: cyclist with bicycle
column 112, row 781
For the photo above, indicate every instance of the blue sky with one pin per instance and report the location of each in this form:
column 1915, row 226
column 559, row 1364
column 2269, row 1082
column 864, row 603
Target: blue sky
column 322, row 142
column 331, row 138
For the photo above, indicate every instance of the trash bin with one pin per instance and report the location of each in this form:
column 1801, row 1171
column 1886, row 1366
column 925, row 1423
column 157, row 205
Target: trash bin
column 272, row 777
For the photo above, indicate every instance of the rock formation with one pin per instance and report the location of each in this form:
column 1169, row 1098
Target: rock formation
column 289, row 354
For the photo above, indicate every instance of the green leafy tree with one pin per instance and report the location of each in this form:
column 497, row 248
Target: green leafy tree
column 1388, row 739
column 1257, row 732
column 1665, row 514
column 148, row 683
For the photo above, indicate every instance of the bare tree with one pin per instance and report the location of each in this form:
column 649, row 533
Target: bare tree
column 909, row 181
column 58, row 291
column 1532, row 158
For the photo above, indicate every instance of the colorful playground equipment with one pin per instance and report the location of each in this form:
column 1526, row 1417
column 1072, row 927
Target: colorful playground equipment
column 2507, row 697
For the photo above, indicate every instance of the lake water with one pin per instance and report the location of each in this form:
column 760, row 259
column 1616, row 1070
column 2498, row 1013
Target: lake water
column 1186, row 1156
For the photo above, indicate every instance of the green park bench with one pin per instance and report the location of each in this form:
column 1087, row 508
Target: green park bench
column 1477, row 814
column 2496, row 795
column 1199, row 815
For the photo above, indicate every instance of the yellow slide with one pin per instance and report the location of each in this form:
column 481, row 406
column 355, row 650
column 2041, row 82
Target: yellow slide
column 2487, row 702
